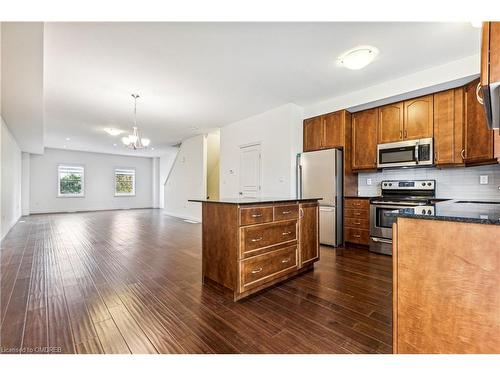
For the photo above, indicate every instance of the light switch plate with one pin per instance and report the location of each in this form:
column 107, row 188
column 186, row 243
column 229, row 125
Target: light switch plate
column 368, row 181
column 483, row 180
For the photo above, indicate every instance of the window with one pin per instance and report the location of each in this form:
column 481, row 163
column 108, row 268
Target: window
column 124, row 182
column 71, row 181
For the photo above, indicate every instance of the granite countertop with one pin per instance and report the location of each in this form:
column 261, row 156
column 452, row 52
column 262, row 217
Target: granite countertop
column 359, row 196
column 254, row 200
column 461, row 210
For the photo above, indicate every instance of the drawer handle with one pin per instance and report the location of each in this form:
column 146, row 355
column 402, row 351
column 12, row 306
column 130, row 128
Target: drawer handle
column 357, row 235
column 285, row 260
column 256, row 239
column 286, row 233
column 286, row 212
column 257, row 270
column 357, row 204
column 358, row 223
column 257, row 215
column 357, row 214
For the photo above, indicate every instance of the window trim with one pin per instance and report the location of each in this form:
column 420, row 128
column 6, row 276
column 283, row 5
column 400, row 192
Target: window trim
column 59, row 195
column 133, row 194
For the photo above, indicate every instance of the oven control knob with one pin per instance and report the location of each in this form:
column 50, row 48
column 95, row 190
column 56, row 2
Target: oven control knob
column 429, row 212
column 423, row 183
column 390, row 184
column 429, row 184
column 385, row 183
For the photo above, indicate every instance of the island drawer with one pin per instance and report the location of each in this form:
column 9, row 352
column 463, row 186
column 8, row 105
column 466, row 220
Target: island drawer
column 286, row 212
column 256, row 215
column 259, row 236
column 358, row 204
column 359, row 236
column 260, row 269
column 356, row 223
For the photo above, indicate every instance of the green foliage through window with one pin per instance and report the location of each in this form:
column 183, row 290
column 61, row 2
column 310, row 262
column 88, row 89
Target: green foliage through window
column 124, row 182
column 70, row 180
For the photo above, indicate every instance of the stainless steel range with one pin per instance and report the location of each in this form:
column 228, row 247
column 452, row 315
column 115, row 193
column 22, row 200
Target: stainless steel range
column 414, row 195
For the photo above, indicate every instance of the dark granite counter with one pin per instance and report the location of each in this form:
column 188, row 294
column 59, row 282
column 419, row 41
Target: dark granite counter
column 264, row 200
column 358, row 197
column 466, row 211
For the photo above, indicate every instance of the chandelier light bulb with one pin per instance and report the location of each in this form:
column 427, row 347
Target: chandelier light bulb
column 126, row 141
column 145, row 142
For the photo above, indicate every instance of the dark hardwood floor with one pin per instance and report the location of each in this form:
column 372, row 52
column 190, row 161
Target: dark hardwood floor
column 130, row 282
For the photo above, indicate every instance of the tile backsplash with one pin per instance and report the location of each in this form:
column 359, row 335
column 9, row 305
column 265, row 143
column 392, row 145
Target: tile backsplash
column 453, row 183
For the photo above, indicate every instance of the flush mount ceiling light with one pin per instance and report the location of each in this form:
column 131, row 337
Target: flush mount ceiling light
column 358, row 58
column 113, row 131
column 134, row 140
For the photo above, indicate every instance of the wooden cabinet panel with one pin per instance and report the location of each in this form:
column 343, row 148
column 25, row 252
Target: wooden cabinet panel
column 263, row 268
column 256, row 215
column 309, row 233
column 356, row 235
column 356, row 223
column 313, row 134
column 485, row 54
column 494, row 49
column 259, row 236
column 448, row 127
column 418, row 118
column 364, row 139
column 286, row 212
column 390, row 123
column 358, row 204
column 333, row 127
column 478, row 138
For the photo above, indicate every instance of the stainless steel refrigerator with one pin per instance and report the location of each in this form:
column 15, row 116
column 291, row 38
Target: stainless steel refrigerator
column 319, row 175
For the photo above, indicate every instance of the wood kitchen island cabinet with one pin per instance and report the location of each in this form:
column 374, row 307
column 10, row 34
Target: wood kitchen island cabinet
column 251, row 244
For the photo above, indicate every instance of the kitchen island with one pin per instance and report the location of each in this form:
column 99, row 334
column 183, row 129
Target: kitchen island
column 446, row 279
column 251, row 244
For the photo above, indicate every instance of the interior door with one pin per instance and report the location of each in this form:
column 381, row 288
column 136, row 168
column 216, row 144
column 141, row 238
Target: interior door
column 250, row 161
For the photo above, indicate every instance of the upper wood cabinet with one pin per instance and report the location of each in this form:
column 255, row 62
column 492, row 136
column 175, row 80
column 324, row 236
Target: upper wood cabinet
column 323, row 132
column 449, row 127
column 418, row 118
column 390, row 123
column 333, row 130
column 412, row 119
column 478, row 139
column 313, row 134
column 364, row 139
column 490, row 53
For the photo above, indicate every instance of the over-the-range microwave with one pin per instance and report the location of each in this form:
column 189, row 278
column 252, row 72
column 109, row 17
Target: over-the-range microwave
column 418, row 152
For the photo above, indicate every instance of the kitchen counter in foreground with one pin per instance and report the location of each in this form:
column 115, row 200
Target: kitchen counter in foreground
column 464, row 211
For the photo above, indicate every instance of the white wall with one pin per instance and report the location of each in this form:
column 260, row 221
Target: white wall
column 10, row 180
column 279, row 131
column 452, row 183
column 166, row 164
column 419, row 83
column 99, row 181
column 187, row 179
column 25, row 183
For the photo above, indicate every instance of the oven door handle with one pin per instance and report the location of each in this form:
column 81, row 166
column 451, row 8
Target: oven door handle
column 416, row 153
column 375, row 239
column 396, row 205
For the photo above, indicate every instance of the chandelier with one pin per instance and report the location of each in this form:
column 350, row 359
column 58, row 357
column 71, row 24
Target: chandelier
column 134, row 140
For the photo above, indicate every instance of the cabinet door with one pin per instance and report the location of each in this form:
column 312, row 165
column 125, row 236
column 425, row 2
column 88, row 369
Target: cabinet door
column 308, row 233
column 478, row 138
column 333, row 126
column 494, row 49
column 313, row 134
column 390, row 123
column 418, row 118
column 364, row 139
column 448, row 127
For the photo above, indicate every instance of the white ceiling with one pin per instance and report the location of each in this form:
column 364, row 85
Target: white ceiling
column 193, row 77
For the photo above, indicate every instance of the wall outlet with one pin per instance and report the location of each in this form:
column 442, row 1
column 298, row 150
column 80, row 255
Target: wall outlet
column 368, row 181
column 483, row 180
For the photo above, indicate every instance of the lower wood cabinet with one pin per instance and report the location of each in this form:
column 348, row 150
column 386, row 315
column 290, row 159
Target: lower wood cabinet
column 357, row 221
column 250, row 247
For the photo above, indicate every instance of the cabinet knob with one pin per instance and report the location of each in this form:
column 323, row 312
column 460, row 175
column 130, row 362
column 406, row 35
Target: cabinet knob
column 478, row 89
column 256, row 239
column 462, row 154
column 400, row 134
column 406, row 134
column 257, row 270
